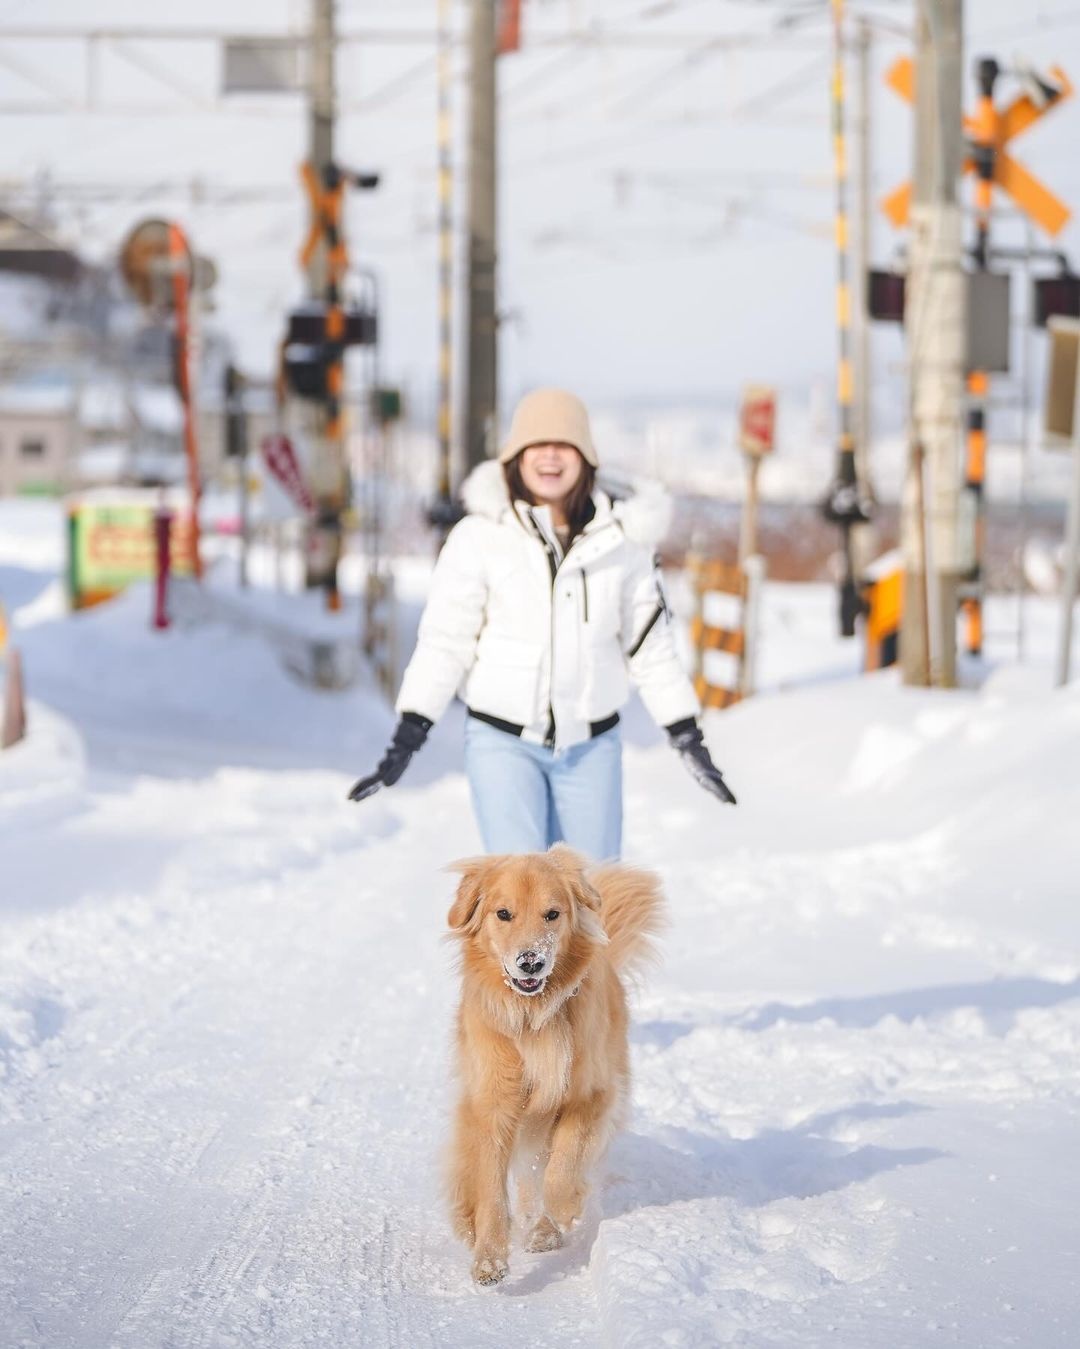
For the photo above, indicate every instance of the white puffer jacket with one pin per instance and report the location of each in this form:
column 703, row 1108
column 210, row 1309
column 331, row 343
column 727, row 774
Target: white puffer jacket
column 533, row 637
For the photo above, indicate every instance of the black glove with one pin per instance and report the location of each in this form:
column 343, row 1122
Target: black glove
column 687, row 739
column 409, row 735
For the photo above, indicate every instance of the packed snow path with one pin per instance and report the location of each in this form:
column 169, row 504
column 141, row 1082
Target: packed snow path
column 226, row 1009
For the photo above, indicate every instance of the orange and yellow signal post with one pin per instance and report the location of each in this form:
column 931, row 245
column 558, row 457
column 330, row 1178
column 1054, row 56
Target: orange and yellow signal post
column 846, row 504
column 989, row 130
column 326, row 193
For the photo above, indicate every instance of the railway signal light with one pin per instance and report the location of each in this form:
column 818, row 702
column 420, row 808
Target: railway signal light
column 1056, row 296
column 885, row 295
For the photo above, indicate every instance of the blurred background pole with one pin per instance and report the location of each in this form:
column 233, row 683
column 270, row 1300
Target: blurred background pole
column 182, row 261
column 480, row 316
column 446, row 258
column 327, row 468
column 843, row 505
column 936, row 352
column 1070, row 582
column 236, row 449
column 864, row 239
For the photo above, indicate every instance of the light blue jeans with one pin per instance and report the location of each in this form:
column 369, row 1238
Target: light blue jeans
column 527, row 797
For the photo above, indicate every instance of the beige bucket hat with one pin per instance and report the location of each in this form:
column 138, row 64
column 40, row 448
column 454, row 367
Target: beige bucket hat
column 550, row 415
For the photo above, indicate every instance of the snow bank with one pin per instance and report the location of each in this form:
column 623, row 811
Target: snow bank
column 43, row 771
column 202, row 689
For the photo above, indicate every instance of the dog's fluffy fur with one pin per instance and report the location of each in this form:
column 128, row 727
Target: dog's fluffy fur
column 543, row 1071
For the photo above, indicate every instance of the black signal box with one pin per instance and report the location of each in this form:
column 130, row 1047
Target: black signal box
column 307, row 325
column 1056, row 296
column 885, row 293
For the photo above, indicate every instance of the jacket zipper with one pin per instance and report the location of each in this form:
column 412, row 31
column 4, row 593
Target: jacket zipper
column 584, row 596
column 553, row 566
column 661, row 608
column 549, row 734
column 645, row 632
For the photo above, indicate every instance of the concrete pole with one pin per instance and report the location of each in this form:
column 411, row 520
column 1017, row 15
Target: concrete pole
column 446, row 260
column 480, row 315
column 936, row 353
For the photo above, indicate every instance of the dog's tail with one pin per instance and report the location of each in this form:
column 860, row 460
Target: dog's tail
column 632, row 912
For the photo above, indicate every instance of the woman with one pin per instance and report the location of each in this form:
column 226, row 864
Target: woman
column 544, row 603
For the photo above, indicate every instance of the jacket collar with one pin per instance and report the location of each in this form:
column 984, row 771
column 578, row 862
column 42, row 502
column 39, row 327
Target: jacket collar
column 643, row 510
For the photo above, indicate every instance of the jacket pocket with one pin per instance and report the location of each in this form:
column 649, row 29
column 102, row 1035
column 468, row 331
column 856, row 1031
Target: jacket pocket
column 505, row 677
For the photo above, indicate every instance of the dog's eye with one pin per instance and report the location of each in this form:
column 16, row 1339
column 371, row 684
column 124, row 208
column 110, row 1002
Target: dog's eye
column 503, row 915
column 551, row 915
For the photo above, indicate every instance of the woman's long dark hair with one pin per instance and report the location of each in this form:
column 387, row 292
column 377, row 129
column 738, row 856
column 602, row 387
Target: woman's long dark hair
column 578, row 506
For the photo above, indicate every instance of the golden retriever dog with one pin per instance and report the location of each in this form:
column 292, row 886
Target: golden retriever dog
column 541, row 1038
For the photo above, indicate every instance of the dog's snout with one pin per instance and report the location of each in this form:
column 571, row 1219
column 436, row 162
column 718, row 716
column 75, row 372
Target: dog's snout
column 530, row 962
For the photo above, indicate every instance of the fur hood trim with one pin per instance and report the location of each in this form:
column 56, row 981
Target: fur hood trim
column 642, row 507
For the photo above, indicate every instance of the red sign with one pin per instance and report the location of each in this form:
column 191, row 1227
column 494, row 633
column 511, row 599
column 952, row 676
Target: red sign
column 282, row 462
column 757, row 419
column 509, row 36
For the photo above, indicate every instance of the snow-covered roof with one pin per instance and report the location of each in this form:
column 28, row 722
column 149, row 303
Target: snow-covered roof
column 37, row 400
column 157, row 407
column 159, row 465
column 103, row 406
column 104, row 463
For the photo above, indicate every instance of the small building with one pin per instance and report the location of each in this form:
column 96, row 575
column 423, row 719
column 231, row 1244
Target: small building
column 37, row 439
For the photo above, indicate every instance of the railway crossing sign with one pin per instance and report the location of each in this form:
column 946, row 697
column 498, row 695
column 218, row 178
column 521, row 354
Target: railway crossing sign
column 1033, row 197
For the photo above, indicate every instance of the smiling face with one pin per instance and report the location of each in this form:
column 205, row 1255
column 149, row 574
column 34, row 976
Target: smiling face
column 550, row 472
column 524, row 914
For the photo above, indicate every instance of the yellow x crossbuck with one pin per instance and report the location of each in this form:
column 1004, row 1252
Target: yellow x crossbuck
column 1033, row 197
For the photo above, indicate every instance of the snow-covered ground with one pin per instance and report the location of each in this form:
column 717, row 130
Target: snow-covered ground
column 225, row 1009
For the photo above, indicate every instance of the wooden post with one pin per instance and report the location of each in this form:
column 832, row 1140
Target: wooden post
column 13, row 726
column 748, row 525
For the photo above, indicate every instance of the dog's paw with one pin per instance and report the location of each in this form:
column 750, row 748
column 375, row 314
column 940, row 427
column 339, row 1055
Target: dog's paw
column 545, row 1236
column 488, row 1269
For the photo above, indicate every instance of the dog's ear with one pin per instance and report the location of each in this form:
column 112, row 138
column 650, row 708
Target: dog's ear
column 470, row 890
column 572, row 865
column 590, row 919
column 587, row 893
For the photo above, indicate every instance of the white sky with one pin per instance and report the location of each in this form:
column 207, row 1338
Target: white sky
column 665, row 216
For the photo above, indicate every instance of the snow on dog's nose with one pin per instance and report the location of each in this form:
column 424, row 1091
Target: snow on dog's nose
column 532, row 965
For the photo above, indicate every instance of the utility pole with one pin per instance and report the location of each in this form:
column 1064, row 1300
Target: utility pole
column 481, row 389
column 936, row 352
column 446, row 259
column 324, row 417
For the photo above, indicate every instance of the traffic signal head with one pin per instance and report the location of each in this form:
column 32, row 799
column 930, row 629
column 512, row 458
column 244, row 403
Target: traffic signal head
column 1056, row 295
column 307, row 325
column 885, row 296
column 306, row 370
